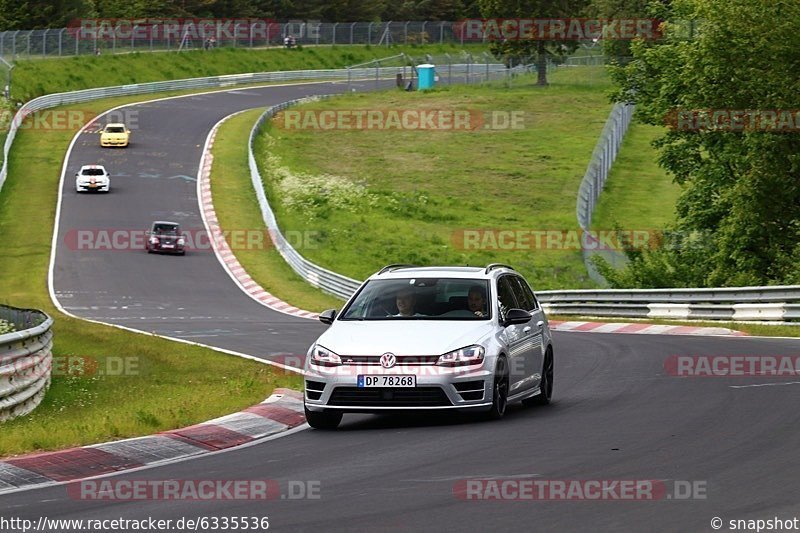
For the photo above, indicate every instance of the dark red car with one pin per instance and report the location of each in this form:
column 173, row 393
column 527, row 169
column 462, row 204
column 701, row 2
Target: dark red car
column 165, row 237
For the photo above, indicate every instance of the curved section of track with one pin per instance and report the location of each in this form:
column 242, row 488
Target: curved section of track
column 101, row 271
column 617, row 414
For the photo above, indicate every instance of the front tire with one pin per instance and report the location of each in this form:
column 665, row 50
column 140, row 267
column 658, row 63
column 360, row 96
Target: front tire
column 499, row 391
column 323, row 420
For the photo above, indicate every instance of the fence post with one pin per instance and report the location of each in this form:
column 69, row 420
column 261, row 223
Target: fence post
column 369, row 33
column 334, row 32
column 114, row 41
column 44, row 43
column 441, row 32
column 60, row 36
column 133, row 37
column 405, row 32
column 352, row 26
column 422, row 33
column 29, row 43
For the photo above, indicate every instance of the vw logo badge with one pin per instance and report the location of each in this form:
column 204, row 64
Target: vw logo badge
column 388, row 360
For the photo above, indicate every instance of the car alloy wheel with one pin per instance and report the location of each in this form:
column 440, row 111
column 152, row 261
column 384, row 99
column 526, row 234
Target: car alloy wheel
column 499, row 390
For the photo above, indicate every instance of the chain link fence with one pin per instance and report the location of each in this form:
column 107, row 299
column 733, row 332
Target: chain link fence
column 122, row 39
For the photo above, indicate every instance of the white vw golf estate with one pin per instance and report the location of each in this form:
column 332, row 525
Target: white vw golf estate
column 415, row 338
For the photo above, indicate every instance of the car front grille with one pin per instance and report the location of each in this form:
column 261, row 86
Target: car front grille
column 407, row 360
column 388, row 397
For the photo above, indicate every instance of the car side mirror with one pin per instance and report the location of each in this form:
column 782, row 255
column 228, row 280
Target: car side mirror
column 148, row 232
column 516, row 316
column 327, row 317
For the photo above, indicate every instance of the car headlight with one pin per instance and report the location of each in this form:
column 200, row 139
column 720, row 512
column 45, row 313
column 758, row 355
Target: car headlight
column 153, row 240
column 471, row 355
column 324, row 357
column 181, row 241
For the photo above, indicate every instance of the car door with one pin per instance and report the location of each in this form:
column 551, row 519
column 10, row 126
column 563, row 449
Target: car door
column 534, row 332
column 516, row 337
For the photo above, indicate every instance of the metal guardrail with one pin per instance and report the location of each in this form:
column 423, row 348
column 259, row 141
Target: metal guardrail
column 322, row 278
column 25, row 361
column 777, row 303
column 594, row 180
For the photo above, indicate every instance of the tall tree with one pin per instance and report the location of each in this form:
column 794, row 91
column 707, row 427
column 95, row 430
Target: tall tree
column 742, row 184
column 540, row 49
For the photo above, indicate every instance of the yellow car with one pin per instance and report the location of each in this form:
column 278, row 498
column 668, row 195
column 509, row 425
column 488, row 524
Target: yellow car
column 115, row 135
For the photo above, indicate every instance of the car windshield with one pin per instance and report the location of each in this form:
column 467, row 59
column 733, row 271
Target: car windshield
column 115, row 129
column 165, row 229
column 92, row 172
column 421, row 299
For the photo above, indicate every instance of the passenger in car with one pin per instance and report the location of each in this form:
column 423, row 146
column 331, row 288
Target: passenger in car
column 476, row 300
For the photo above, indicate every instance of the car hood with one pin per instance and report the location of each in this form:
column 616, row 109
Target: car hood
column 403, row 337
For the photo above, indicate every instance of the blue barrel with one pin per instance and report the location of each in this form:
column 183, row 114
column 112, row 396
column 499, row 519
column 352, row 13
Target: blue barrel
column 427, row 76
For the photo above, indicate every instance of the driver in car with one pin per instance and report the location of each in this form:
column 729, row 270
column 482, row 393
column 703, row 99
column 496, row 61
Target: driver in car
column 406, row 300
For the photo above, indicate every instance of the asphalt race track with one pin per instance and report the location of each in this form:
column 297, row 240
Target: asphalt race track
column 155, row 178
column 617, row 414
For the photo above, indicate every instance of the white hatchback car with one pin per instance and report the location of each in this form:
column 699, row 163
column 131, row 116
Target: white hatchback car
column 92, row 178
column 414, row 338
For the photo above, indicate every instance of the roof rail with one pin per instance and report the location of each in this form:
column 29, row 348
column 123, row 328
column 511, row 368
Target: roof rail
column 492, row 266
column 387, row 268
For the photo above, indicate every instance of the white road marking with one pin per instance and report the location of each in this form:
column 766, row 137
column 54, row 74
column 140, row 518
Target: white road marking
column 765, row 385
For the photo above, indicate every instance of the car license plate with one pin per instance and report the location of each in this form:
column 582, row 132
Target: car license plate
column 395, row 381
column 169, row 246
